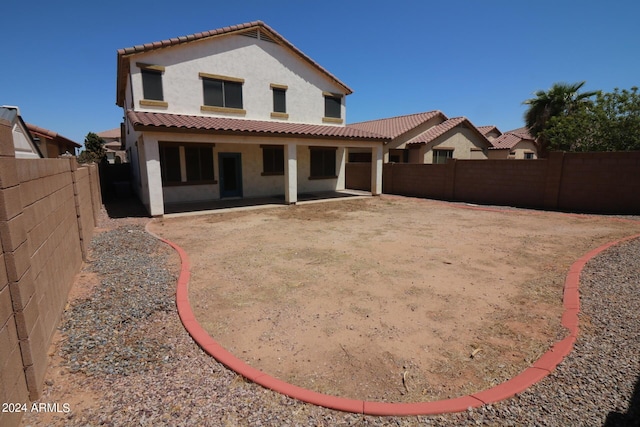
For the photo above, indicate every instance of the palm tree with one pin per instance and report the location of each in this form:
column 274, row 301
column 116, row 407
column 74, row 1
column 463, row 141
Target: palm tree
column 561, row 99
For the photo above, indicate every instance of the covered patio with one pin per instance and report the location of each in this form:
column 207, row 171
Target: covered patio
column 192, row 162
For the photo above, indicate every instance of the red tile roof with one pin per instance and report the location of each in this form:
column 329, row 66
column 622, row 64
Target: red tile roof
column 111, row 133
column 124, row 54
column 510, row 138
column 395, row 126
column 46, row 133
column 438, row 130
column 179, row 122
column 486, row 129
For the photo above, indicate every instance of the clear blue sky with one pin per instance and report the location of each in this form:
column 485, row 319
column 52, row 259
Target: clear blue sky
column 478, row 59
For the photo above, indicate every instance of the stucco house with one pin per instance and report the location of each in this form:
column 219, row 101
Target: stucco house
column 236, row 112
column 514, row 144
column 429, row 137
column 52, row 144
column 491, row 132
column 113, row 145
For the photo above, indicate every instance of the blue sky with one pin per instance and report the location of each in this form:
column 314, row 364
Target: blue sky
column 478, row 59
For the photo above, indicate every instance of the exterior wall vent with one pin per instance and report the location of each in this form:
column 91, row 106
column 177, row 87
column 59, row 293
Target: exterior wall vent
column 264, row 36
column 251, row 33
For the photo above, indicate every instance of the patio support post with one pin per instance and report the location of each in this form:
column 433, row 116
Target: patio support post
column 340, row 168
column 291, row 174
column 154, row 179
column 376, row 170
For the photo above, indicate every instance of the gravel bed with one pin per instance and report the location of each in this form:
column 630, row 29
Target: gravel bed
column 126, row 346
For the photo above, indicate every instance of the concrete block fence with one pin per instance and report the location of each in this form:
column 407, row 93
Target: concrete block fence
column 577, row 182
column 48, row 211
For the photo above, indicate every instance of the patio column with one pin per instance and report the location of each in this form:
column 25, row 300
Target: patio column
column 291, row 174
column 340, row 168
column 376, row 170
column 154, row 179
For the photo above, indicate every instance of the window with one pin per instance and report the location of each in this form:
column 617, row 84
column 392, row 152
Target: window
column 441, row 156
column 272, row 160
column 323, row 162
column 170, row 164
column 279, row 101
column 197, row 161
column 528, row 156
column 332, row 107
column 152, row 84
column 220, row 92
column 398, row 156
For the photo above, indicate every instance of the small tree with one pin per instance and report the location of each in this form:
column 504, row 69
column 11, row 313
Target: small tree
column 94, row 150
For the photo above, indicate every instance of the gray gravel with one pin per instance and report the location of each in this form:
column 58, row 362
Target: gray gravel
column 127, row 346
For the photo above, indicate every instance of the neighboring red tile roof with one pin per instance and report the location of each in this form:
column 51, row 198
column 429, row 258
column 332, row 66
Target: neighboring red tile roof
column 124, row 54
column 438, row 130
column 179, row 122
column 46, row 133
column 522, row 132
column 111, row 133
column 395, row 126
column 510, row 138
column 486, row 129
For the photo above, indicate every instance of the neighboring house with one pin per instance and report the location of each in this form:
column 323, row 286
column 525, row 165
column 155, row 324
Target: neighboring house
column 23, row 142
column 113, row 146
column 490, row 132
column 428, row 137
column 514, row 144
column 234, row 112
column 52, row 144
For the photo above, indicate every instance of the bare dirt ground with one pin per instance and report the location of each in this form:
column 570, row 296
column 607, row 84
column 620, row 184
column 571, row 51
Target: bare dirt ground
column 390, row 299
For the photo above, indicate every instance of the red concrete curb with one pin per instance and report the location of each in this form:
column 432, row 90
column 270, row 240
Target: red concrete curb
column 540, row 369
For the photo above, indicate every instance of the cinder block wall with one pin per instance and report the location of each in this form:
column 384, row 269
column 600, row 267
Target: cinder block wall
column 47, row 217
column 358, row 176
column 581, row 182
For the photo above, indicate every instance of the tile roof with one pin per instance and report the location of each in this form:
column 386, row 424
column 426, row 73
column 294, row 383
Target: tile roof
column 111, row 133
column 179, row 122
column 510, row 138
column 124, row 54
column 395, row 126
column 438, row 130
column 50, row 134
column 522, row 132
column 486, row 129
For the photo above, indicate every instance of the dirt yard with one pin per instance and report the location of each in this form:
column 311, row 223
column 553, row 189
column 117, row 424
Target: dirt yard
column 389, row 299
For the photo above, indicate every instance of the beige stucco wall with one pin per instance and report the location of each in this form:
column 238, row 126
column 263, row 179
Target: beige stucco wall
column 461, row 139
column 522, row 147
column 260, row 63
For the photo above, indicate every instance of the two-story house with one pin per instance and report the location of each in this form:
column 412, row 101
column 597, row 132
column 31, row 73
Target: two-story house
column 234, row 112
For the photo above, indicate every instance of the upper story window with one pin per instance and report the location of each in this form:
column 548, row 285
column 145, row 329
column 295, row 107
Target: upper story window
column 279, row 101
column 222, row 93
column 152, row 85
column 332, row 107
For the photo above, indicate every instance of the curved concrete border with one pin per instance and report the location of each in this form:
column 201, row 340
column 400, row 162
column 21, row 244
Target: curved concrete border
column 540, row 369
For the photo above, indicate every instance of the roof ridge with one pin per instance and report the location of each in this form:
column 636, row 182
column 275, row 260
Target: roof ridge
column 400, row 117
